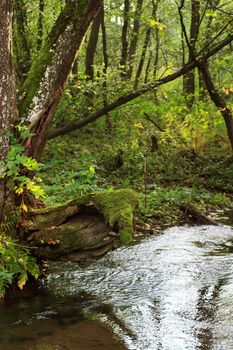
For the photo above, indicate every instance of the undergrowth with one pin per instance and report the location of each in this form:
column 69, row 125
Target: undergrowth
column 16, row 264
column 163, row 204
column 167, row 178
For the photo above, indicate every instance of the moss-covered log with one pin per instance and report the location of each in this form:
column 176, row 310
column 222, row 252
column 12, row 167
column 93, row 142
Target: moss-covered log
column 89, row 224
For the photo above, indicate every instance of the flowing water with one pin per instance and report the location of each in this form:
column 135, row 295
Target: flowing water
column 170, row 292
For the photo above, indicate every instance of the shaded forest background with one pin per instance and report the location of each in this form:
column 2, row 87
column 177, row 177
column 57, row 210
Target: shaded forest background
column 169, row 141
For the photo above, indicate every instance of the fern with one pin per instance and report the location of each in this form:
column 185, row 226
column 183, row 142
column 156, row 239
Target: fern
column 15, row 264
column 10, row 221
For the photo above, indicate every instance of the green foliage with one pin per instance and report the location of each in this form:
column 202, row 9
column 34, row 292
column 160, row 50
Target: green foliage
column 79, row 178
column 9, row 222
column 192, row 141
column 18, row 164
column 164, row 203
column 15, row 263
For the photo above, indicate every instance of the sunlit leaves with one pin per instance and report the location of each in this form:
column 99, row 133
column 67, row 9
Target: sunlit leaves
column 154, row 23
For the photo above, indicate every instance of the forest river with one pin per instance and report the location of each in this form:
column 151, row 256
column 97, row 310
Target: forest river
column 170, row 292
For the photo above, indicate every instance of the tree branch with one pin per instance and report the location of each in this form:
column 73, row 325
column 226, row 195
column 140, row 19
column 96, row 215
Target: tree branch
column 153, row 122
column 133, row 95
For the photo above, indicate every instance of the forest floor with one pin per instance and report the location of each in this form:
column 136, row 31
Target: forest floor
column 165, row 179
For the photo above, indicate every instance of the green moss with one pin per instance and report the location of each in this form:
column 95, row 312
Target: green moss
column 71, row 15
column 70, row 241
column 117, row 207
column 34, row 78
column 78, row 201
column 125, row 236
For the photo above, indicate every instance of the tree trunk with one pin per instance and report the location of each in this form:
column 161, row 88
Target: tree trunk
column 202, row 87
column 145, row 47
column 124, row 39
column 91, row 47
column 44, row 85
column 142, row 59
column 8, row 109
column 105, row 70
column 218, row 100
column 147, row 70
column 189, row 78
column 40, row 25
column 134, row 40
column 157, row 39
column 22, row 45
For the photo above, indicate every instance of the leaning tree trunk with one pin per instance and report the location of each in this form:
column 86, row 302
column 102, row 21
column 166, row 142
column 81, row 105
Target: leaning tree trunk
column 142, row 59
column 218, row 100
column 45, row 82
column 8, row 109
column 208, row 35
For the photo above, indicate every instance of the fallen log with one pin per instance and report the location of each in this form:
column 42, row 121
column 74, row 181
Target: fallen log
column 196, row 215
column 87, row 226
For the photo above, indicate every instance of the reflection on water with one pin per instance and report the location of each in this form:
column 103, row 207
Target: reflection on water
column 46, row 323
column 173, row 292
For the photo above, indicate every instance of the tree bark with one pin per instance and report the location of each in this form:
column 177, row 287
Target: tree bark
column 44, row 85
column 8, row 109
column 218, row 100
column 202, row 87
column 157, row 38
column 21, row 41
column 40, row 25
column 124, row 39
column 91, row 47
column 134, row 40
column 142, row 59
column 147, row 70
column 189, row 78
column 105, row 69
column 145, row 47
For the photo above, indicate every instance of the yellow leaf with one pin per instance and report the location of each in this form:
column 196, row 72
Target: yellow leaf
column 159, row 25
column 22, row 280
column 138, row 125
column 24, row 208
column 19, row 190
column 92, row 169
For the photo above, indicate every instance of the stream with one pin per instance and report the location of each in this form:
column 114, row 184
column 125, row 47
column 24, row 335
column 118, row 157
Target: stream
column 168, row 292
